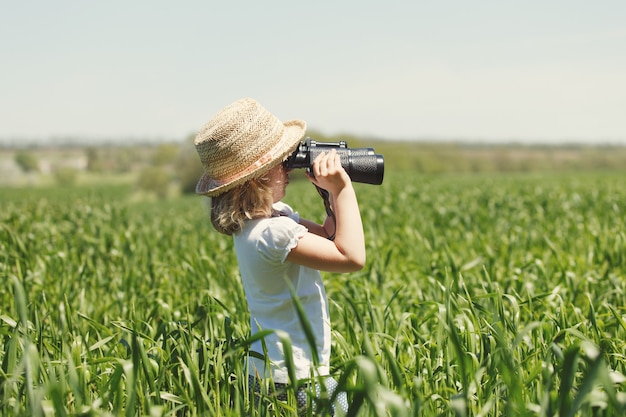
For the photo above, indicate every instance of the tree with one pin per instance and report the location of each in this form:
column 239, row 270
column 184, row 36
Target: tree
column 66, row 175
column 27, row 161
column 94, row 160
column 188, row 167
column 155, row 180
column 165, row 154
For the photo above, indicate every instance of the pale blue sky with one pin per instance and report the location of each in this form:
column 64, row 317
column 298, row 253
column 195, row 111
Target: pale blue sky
column 528, row 71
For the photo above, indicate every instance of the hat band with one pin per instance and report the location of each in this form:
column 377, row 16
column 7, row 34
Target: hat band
column 264, row 159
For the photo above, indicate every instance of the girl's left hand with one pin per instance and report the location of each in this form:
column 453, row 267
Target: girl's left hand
column 328, row 173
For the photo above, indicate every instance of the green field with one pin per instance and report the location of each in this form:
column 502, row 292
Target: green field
column 498, row 295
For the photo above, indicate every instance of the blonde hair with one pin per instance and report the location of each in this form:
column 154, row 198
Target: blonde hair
column 251, row 200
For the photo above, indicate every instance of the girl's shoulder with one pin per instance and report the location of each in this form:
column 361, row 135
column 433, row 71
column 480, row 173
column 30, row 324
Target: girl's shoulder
column 285, row 210
column 272, row 238
column 269, row 228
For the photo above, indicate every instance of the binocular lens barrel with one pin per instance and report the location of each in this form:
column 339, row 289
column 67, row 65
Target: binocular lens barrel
column 361, row 164
column 367, row 169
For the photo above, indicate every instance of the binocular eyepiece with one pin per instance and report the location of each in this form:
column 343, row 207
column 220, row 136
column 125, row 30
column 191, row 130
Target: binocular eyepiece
column 361, row 164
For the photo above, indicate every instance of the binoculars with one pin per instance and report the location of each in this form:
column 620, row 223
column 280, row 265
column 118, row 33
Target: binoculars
column 361, row 164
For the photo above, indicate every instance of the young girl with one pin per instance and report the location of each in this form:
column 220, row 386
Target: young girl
column 242, row 150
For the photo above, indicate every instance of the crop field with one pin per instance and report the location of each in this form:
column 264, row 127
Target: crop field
column 482, row 296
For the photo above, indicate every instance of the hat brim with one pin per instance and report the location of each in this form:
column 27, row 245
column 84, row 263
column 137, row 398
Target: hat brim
column 292, row 136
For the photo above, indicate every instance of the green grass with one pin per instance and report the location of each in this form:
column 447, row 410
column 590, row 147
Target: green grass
column 482, row 296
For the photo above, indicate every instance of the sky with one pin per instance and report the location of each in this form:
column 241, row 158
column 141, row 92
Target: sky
column 481, row 71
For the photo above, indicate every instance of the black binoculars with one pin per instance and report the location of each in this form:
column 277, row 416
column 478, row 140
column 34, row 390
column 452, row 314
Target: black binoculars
column 362, row 164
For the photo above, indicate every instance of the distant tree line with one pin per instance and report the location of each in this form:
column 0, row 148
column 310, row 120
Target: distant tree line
column 159, row 168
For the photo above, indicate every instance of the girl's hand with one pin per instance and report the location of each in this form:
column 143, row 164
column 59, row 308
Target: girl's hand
column 328, row 173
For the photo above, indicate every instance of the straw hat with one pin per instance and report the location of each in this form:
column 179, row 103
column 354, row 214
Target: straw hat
column 241, row 142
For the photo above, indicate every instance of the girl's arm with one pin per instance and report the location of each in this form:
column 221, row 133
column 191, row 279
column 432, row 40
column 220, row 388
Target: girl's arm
column 326, row 230
column 346, row 253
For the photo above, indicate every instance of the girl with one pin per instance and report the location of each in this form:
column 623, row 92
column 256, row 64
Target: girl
column 242, row 150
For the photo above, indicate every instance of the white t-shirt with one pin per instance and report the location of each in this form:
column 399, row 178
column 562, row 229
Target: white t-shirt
column 261, row 247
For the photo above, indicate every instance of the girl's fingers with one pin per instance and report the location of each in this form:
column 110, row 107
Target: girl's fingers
column 317, row 164
column 329, row 161
column 322, row 164
column 336, row 160
column 326, row 163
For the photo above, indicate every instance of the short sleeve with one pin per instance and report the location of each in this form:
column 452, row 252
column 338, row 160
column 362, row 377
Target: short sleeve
column 278, row 238
column 286, row 210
